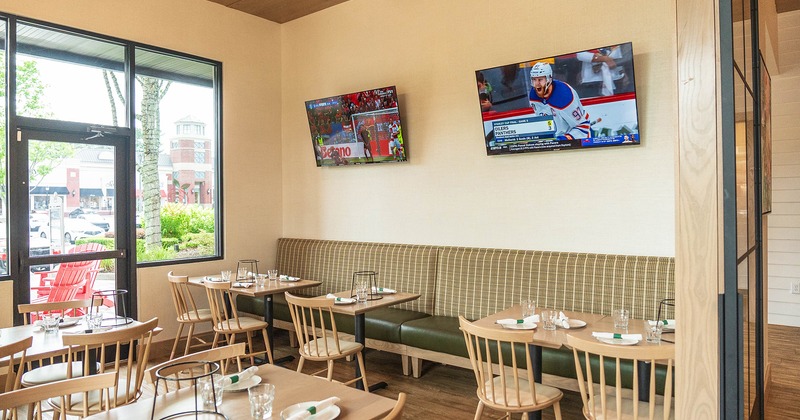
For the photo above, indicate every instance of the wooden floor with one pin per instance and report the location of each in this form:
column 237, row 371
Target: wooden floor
column 449, row 392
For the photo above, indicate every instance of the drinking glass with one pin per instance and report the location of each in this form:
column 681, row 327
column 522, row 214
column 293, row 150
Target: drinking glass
column 50, row 323
column 241, row 273
column 528, row 307
column 261, row 397
column 225, row 275
column 212, row 396
column 653, row 331
column 362, row 288
column 621, row 317
column 273, row 274
column 549, row 317
column 94, row 320
column 261, row 280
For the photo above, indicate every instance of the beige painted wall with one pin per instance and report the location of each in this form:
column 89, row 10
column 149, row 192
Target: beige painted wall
column 617, row 200
column 249, row 49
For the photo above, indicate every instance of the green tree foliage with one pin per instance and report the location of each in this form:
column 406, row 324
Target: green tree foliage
column 43, row 157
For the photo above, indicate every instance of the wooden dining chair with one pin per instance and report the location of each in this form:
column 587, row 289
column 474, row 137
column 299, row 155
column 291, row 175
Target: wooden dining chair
column 504, row 384
column 15, row 364
column 598, row 403
column 33, row 311
column 57, row 391
column 229, row 324
column 221, row 355
column 399, row 406
column 187, row 313
column 123, row 350
column 318, row 337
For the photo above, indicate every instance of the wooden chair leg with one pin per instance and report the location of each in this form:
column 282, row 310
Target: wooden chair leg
column 249, row 335
column 360, row 357
column 266, row 346
column 216, row 338
column 189, row 339
column 479, row 411
column 177, row 338
column 300, row 364
column 557, row 409
column 330, row 370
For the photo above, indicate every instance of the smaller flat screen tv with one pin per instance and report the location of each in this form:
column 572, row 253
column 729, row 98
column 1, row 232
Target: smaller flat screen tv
column 357, row 128
column 580, row 100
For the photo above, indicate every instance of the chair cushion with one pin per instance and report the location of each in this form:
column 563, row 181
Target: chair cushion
column 51, row 373
column 544, row 394
column 316, row 348
column 245, row 324
column 201, row 316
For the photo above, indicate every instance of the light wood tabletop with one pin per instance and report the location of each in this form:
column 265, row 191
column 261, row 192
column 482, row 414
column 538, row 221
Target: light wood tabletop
column 557, row 338
column 270, row 287
column 44, row 345
column 370, row 305
column 290, row 388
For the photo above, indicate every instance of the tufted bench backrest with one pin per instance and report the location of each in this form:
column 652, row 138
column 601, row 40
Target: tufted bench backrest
column 407, row 268
column 476, row 282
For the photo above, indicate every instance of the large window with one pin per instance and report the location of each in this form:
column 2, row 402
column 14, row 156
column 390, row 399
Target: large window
column 66, row 76
column 176, row 94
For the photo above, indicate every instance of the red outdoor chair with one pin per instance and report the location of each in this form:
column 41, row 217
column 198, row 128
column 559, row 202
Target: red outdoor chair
column 70, row 278
column 46, row 277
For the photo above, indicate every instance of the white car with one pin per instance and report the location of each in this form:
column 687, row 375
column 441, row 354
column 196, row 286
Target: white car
column 78, row 228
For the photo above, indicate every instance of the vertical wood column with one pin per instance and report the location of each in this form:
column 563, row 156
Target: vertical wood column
column 698, row 253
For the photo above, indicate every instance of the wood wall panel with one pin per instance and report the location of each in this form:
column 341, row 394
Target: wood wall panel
column 697, row 271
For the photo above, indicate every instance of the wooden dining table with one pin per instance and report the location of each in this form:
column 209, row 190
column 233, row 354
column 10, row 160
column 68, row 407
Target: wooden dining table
column 270, row 288
column 290, row 388
column 557, row 338
column 359, row 311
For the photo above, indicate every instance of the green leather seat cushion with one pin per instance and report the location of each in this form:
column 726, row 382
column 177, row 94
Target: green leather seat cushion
column 381, row 324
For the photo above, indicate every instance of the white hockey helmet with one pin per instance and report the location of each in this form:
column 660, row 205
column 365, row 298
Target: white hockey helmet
column 542, row 70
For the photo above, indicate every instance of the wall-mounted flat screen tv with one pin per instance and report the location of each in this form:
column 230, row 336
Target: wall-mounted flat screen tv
column 580, row 100
column 357, row 128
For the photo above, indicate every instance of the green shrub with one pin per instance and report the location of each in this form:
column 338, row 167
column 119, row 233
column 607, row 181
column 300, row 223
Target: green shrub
column 201, row 219
column 174, row 220
column 157, row 255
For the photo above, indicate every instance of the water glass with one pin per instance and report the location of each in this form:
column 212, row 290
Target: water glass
column 653, row 331
column 549, row 318
column 211, row 396
column 528, row 307
column 621, row 318
column 261, row 397
column 94, row 320
column 362, row 288
column 50, row 323
column 225, row 275
column 273, row 274
column 241, row 273
column 261, row 279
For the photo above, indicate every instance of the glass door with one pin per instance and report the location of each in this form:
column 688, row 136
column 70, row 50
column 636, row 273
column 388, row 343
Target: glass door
column 70, row 195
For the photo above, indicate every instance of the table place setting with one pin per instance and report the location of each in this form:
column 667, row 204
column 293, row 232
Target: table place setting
column 383, row 291
column 617, row 338
column 340, row 300
column 563, row 321
column 284, row 277
column 668, row 324
column 241, row 381
column 527, row 323
column 318, row 410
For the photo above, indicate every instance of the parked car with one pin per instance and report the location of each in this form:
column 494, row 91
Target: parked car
column 78, row 228
column 75, row 213
column 95, row 219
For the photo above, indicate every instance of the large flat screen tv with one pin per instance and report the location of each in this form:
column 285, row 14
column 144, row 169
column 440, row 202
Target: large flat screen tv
column 580, row 100
column 357, row 128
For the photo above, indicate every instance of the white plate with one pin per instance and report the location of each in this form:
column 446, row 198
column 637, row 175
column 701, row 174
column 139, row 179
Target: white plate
column 576, row 323
column 242, row 284
column 69, row 321
column 329, row 413
column 341, row 302
column 529, row 326
column 619, row 341
column 243, row 385
column 289, row 278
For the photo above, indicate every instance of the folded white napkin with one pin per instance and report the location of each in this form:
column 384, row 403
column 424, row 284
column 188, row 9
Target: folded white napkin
column 562, row 321
column 527, row 320
column 314, row 409
column 669, row 323
column 339, row 299
column 617, row 335
column 284, row 277
column 383, row 290
column 239, row 377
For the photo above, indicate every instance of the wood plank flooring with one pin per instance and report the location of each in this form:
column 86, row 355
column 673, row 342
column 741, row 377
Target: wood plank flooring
column 449, row 392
